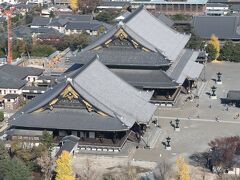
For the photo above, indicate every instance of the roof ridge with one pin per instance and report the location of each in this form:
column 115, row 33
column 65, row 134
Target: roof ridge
column 130, row 16
column 80, row 70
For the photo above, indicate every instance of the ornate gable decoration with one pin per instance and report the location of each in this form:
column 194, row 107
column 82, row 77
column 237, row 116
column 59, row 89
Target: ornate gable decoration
column 70, row 98
column 122, row 35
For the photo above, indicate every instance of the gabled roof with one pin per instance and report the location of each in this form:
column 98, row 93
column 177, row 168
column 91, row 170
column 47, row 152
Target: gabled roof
column 224, row 27
column 102, row 89
column 124, row 102
column 150, row 32
column 155, row 32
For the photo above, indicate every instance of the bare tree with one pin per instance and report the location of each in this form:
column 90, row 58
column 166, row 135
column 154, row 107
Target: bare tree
column 88, row 173
column 224, row 149
column 162, row 171
column 45, row 162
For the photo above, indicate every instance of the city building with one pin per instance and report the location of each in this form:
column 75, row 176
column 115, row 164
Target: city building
column 91, row 103
column 148, row 54
column 192, row 7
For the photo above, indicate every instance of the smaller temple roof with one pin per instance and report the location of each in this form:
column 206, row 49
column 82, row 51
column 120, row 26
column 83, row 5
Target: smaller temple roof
column 185, row 67
column 233, row 95
column 123, row 56
column 145, row 79
column 149, row 32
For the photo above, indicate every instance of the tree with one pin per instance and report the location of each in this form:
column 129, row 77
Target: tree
column 12, row 168
column 230, row 51
column 162, row 171
column 1, row 116
column 21, row 47
column 3, row 152
column 73, row 5
column 223, row 150
column 88, row 6
column 51, row 15
column 183, row 170
column 45, row 163
column 211, row 51
column 41, row 50
column 47, row 140
column 15, row 169
column 87, row 173
column 63, row 167
column 106, row 16
column 216, row 44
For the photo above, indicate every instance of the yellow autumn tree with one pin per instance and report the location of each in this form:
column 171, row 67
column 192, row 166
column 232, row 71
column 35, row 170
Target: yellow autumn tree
column 182, row 169
column 63, row 167
column 216, row 44
column 73, row 5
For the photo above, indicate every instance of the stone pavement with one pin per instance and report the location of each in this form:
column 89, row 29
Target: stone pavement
column 198, row 124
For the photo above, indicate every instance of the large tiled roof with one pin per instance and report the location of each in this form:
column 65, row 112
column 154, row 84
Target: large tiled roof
column 96, row 84
column 146, row 79
column 156, row 32
column 69, row 119
column 224, row 27
column 150, row 32
column 123, row 56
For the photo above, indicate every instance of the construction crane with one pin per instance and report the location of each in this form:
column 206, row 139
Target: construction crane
column 8, row 12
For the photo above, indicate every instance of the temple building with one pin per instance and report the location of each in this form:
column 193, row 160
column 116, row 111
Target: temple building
column 91, row 103
column 148, row 54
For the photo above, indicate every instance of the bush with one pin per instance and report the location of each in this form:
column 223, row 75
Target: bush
column 211, row 50
column 231, row 51
column 41, row 50
column 106, row 16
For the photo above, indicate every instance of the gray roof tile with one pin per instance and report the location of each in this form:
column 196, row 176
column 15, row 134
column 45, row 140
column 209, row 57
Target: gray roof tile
column 40, row 21
column 146, row 79
column 224, row 27
column 122, row 56
column 95, row 83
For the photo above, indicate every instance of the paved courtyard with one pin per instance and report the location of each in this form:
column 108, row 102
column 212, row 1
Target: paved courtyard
column 198, row 124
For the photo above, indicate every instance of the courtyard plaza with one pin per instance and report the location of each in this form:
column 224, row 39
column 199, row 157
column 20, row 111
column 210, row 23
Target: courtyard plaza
column 201, row 120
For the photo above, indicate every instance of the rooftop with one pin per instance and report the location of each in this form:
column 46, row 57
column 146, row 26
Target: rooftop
column 123, row 56
column 96, row 84
column 149, row 32
column 224, row 27
column 170, row 2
